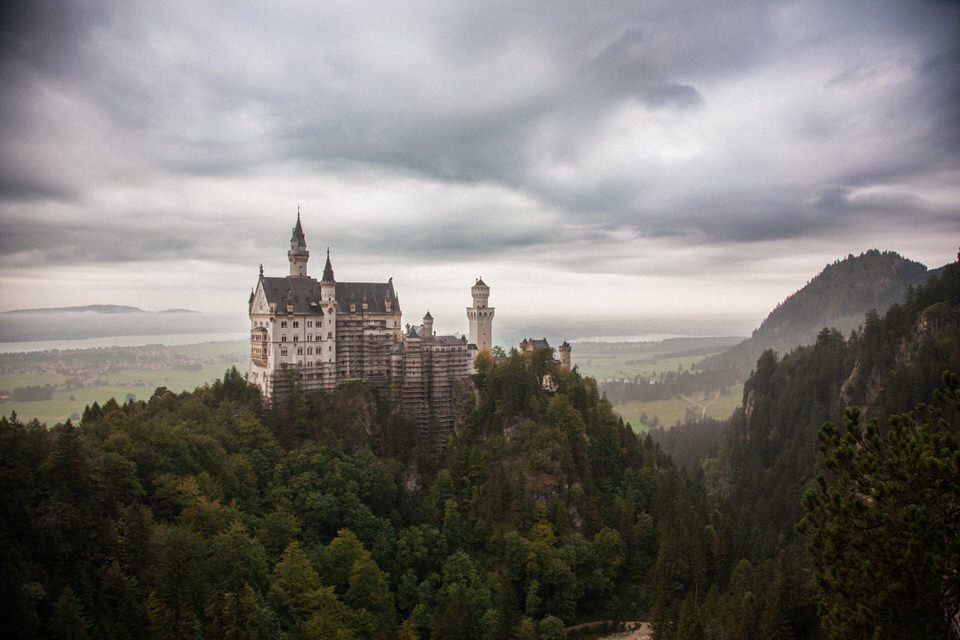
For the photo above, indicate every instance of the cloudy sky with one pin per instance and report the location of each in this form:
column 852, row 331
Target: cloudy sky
column 624, row 159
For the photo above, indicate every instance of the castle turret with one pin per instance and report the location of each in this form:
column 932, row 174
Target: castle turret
column 428, row 324
column 328, row 286
column 298, row 254
column 480, row 316
column 565, row 355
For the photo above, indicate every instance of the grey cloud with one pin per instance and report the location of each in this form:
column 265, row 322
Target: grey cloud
column 227, row 94
column 54, row 241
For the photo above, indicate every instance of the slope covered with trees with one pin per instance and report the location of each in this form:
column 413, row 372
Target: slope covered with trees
column 204, row 515
column 838, row 298
column 765, row 458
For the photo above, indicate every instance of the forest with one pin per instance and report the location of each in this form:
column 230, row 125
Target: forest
column 205, row 514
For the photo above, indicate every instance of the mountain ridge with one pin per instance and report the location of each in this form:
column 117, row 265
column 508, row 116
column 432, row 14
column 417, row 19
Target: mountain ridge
column 838, row 297
column 95, row 308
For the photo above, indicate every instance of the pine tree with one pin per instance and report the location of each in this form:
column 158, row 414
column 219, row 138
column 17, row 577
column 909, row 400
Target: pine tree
column 885, row 537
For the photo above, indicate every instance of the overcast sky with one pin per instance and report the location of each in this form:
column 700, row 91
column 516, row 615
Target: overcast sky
column 647, row 159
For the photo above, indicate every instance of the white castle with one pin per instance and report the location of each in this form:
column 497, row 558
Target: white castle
column 321, row 334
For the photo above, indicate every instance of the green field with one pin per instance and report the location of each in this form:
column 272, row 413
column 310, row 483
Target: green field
column 647, row 360
column 669, row 411
column 124, row 379
column 604, row 360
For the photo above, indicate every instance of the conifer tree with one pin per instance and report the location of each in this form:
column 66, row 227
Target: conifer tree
column 885, row 537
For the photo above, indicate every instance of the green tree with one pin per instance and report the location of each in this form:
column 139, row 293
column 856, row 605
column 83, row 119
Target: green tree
column 885, row 536
column 462, row 600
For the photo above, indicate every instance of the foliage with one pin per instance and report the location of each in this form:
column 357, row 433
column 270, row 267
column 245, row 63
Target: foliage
column 885, row 535
column 838, row 297
column 204, row 514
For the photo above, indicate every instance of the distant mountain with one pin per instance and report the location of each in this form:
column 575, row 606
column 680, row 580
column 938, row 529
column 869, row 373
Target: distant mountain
column 96, row 308
column 837, row 298
column 178, row 311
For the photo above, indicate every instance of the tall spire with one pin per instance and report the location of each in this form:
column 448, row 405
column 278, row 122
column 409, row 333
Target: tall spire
column 328, row 269
column 298, row 254
column 298, row 239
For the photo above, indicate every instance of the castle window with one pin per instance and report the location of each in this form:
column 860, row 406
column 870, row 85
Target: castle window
column 296, row 338
column 283, row 324
column 283, row 338
column 300, row 351
column 309, row 351
column 309, row 323
column 283, row 352
column 309, row 337
column 296, row 323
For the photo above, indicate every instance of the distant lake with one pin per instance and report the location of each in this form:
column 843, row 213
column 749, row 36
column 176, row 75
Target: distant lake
column 652, row 337
column 120, row 341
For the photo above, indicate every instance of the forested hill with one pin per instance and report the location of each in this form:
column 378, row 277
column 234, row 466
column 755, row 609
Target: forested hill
column 203, row 515
column 765, row 457
column 837, row 298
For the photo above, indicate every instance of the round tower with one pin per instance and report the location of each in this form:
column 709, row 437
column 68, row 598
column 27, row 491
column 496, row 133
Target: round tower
column 481, row 293
column 298, row 254
column 480, row 316
column 565, row 355
column 428, row 324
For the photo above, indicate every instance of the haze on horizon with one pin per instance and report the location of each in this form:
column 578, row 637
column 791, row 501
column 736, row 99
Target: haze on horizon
column 655, row 159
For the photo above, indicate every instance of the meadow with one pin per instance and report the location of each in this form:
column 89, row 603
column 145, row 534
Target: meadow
column 645, row 361
column 81, row 377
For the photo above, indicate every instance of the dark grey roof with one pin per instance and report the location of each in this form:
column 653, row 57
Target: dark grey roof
column 327, row 269
column 445, row 341
column 428, row 316
column 536, row 344
column 299, row 292
column 375, row 294
column 480, row 283
column 297, row 237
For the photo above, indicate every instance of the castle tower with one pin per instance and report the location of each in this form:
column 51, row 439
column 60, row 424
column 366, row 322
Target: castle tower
column 565, row 355
column 428, row 324
column 298, row 254
column 480, row 316
column 328, row 286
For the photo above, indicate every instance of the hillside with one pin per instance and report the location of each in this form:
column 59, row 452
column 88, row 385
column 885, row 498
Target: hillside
column 764, row 456
column 203, row 514
column 837, row 298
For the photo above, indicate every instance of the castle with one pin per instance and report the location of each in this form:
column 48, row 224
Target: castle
column 324, row 333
